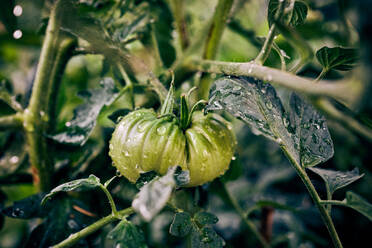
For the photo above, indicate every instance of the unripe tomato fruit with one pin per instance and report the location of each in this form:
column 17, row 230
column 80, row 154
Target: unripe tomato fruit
column 143, row 142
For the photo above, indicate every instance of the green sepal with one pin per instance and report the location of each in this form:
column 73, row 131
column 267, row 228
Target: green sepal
column 184, row 113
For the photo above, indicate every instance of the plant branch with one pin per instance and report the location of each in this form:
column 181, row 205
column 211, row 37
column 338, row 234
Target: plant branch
column 213, row 40
column 111, row 201
column 333, row 202
column 14, row 121
column 39, row 116
column 326, row 106
column 266, row 48
column 74, row 238
column 252, row 228
column 314, row 195
column 346, row 91
column 177, row 7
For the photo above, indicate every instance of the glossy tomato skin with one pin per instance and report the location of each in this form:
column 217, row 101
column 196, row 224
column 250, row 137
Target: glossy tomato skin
column 142, row 142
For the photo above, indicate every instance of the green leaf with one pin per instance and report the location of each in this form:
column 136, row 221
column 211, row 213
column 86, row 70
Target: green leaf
column 337, row 179
column 154, row 195
column 85, row 115
column 82, row 184
column 26, row 208
column 127, row 235
column 235, row 170
column 181, row 224
column 61, row 221
column 303, row 133
column 205, row 238
column 359, row 204
column 311, row 133
column 294, row 18
column 337, row 58
column 204, row 218
column 167, row 107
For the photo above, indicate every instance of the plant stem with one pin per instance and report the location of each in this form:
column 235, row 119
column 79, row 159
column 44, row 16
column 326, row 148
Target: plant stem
column 177, row 7
column 39, row 116
column 14, row 121
column 325, row 106
column 213, row 40
column 333, row 202
column 266, row 48
column 252, row 228
column 74, row 238
column 111, row 201
column 345, row 91
column 314, row 195
column 321, row 75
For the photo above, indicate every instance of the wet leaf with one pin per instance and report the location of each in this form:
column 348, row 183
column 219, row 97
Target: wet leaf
column 337, row 179
column 82, row 184
column 205, row 237
column 337, row 58
column 294, row 18
column 127, row 235
column 26, row 208
column 181, row 224
column 359, row 204
column 301, row 131
column 85, row 115
column 154, row 195
column 61, row 221
column 311, row 133
column 205, row 218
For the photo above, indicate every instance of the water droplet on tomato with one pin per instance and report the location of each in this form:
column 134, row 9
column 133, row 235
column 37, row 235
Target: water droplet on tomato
column 161, row 130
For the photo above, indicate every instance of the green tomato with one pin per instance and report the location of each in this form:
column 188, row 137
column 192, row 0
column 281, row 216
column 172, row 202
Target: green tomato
column 143, row 142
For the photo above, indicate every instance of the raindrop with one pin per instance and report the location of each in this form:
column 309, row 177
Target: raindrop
column 161, row 130
column 141, row 127
column 111, row 146
column 233, row 158
column 236, row 88
column 321, row 149
column 17, row 34
column 14, row 160
column 68, row 124
column 17, row 11
column 118, row 174
column 263, row 90
column 126, row 153
column 269, row 105
column 315, row 138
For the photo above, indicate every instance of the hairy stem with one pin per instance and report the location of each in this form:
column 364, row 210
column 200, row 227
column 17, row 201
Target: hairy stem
column 111, row 201
column 345, row 91
column 74, row 238
column 14, row 121
column 252, row 228
column 314, row 195
column 333, row 202
column 39, row 116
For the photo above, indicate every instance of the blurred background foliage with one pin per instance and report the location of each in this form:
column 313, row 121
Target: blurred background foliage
column 260, row 177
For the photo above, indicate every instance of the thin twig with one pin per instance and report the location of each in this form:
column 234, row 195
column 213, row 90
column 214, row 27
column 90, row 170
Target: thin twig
column 14, row 121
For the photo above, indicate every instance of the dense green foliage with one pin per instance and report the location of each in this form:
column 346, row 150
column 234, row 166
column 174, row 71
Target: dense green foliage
column 171, row 123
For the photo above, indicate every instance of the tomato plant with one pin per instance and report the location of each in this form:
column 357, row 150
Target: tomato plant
column 170, row 123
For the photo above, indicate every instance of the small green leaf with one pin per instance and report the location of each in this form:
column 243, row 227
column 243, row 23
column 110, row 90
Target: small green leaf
column 359, row 204
column 154, row 195
column 82, row 184
column 204, row 218
column 294, row 18
column 205, row 238
column 85, row 115
column 337, row 58
column 181, row 224
column 167, row 107
column 337, row 179
column 127, row 235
